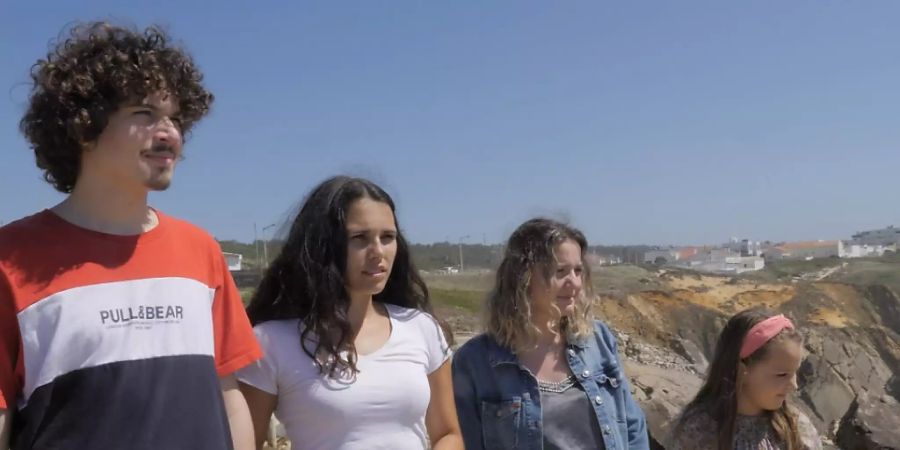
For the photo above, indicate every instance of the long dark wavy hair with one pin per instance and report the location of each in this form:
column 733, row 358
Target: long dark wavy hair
column 718, row 397
column 307, row 279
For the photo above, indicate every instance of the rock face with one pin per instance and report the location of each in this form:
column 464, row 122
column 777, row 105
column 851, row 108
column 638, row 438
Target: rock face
column 650, row 355
column 870, row 424
column 824, row 391
column 661, row 393
column 893, row 386
column 887, row 305
column 848, row 383
column 841, row 365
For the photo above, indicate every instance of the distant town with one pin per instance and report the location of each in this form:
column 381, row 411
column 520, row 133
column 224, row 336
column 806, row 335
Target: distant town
column 736, row 256
column 745, row 255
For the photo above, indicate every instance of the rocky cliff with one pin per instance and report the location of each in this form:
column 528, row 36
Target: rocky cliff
column 668, row 325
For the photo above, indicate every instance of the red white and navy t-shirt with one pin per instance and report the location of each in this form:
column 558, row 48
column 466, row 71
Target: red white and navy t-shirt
column 114, row 342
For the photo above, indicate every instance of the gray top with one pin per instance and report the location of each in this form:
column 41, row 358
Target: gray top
column 569, row 420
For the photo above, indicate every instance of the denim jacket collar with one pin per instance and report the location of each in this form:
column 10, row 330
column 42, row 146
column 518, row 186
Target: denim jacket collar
column 498, row 354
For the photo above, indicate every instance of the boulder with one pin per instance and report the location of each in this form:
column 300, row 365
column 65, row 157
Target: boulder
column 871, row 423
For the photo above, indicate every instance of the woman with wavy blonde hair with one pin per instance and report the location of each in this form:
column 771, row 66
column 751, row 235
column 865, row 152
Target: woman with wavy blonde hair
column 544, row 375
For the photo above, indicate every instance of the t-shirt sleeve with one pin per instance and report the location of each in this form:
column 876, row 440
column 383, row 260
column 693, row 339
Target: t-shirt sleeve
column 236, row 345
column 9, row 346
column 438, row 349
column 262, row 373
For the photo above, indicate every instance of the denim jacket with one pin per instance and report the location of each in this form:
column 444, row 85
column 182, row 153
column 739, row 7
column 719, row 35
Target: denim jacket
column 499, row 404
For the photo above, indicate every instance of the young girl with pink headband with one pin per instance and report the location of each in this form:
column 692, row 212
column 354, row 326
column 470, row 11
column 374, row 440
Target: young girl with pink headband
column 743, row 402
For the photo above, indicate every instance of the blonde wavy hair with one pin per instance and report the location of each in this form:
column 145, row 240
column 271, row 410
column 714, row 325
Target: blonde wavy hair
column 531, row 250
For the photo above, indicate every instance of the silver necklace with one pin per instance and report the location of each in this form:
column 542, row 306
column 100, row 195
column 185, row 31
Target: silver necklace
column 557, row 387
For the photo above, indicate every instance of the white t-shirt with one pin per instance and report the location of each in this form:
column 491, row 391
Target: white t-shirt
column 382, row 408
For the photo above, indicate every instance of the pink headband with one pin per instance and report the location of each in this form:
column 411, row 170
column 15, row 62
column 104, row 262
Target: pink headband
column 763, row 332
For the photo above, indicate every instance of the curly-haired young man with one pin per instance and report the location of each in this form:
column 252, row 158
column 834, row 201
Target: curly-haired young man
column 120, row 326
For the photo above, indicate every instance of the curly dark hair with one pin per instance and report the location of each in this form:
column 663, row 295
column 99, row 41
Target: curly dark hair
column 306, row 281
column 88, row 77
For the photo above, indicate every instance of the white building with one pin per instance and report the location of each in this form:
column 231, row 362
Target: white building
column 741, row 264
column 602, row 260
column 744, row 247
column 233, row 260
column 853, row 250
column 884, row 236
column 724, row 261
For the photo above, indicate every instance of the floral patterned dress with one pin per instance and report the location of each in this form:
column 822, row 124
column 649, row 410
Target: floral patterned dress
column 751, row 433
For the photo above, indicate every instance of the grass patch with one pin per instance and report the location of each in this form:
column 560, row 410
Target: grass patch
column 469, row 301
column 782, row 270
column 872, row 271
column 623, row 278
column 790, row 268
column 479, row 281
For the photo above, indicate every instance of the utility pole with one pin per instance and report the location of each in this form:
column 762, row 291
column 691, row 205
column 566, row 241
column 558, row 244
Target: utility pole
column 265, row 244
column 461, row 266
column 256, row 247
column 450, row 251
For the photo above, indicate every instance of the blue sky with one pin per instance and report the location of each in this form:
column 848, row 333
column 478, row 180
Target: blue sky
column 641, row 122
